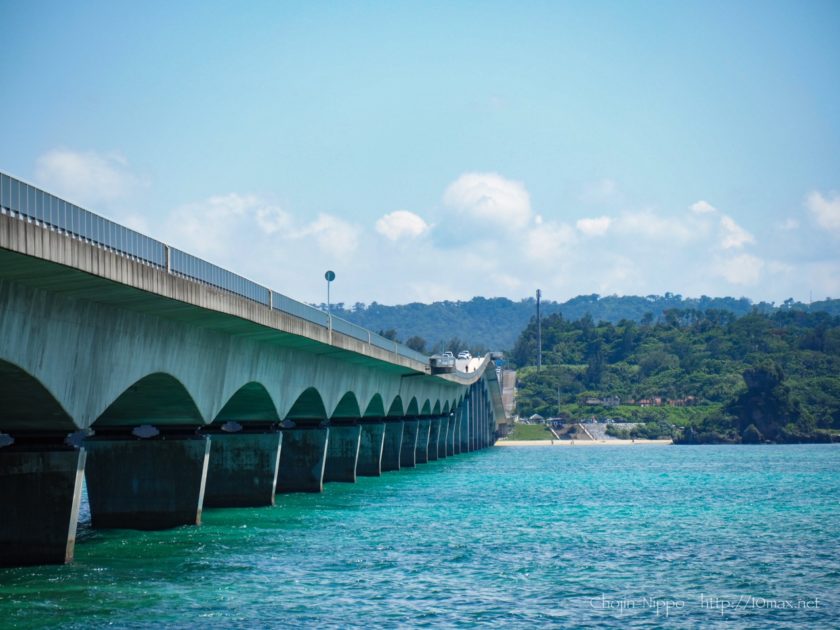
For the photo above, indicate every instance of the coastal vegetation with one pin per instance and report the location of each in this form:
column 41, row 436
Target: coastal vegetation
column 494, row 323
column 694, row 375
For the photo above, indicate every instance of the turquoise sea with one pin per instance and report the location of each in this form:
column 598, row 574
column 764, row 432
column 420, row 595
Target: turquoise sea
column 639, row 536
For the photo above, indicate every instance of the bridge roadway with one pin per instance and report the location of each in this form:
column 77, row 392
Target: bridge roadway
column 169, row 391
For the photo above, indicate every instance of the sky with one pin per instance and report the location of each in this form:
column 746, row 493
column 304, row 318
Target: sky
column 442, row 150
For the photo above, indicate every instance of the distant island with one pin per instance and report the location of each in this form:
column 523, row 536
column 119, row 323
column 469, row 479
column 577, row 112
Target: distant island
column 695, row 376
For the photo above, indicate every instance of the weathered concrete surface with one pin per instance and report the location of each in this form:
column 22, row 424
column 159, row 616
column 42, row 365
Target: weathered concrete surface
column 442, row 436
column 371, row 445
column 392, row 446
column 342, row 452
column 242, row 471
column 434, row 438
column 421, row 449
column 302, row 459
column 146, row 484
column 117, row 322
column 408, row 454
column 40, row 492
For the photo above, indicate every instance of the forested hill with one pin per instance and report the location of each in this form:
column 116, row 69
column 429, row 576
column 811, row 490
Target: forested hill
column 495, row 323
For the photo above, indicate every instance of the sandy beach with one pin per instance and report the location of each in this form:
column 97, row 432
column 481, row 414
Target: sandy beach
column 581, row 442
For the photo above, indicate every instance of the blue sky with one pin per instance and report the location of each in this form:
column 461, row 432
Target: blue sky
column 444, row 150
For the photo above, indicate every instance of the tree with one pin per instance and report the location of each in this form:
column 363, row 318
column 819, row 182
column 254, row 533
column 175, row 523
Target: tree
column 416, row 343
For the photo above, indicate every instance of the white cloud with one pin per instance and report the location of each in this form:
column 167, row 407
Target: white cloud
column 225, row 225
column 647, row 224
column 743, row 269
column 825, row 210
column 332, row 234
column 401, row 224
column 596, row 226
column 732, row 235
column 490, row 197
column 703, row 207
column 549, row 242
column 88, row 178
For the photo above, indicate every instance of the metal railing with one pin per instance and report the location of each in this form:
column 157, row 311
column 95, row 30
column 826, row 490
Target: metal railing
column 27, row 202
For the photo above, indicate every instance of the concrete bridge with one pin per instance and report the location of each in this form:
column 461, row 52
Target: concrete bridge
column 170, row 384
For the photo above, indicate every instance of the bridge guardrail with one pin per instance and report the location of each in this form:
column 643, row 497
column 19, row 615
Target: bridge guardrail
column 20, row 199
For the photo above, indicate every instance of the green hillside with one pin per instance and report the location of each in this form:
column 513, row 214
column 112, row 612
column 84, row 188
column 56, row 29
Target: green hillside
column 495, row 323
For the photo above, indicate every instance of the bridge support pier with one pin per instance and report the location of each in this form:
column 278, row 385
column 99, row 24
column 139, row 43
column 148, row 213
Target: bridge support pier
column 146, row 484
column 434, row 438
column 443, row 424
column 463, row 444
column 421, row 450
column 243, row 469
column 392, row 446
column 40, row 492
column 450, row 435
column 408, row 453
column 342, row 452
column 371, row 443
column 302, row 459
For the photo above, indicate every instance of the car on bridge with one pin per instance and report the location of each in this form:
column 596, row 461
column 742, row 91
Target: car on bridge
column 465, row 354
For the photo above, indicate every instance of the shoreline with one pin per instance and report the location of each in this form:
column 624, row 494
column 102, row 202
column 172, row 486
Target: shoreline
column 616, row 442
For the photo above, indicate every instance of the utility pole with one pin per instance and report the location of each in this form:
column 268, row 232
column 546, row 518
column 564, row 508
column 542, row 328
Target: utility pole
column 539, row 332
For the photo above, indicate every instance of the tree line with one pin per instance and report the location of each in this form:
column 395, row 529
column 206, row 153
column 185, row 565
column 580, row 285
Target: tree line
column 697, row 375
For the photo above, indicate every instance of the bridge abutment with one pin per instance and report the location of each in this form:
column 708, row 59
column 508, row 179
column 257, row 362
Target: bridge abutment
column 242, row 471
column 302, row 459
column 408, row 453
column 40, row 493
column 392, row 446
column 371, row 443
column 342, row 452
column 146, row 484
column 421, row 449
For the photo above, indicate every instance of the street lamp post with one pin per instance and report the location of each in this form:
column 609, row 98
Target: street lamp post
column 329, row 276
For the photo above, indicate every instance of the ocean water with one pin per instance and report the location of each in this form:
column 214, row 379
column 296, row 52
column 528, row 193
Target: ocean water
column 641, row 536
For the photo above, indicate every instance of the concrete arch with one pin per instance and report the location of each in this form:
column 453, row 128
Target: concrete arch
column 426, row 410
column 347, row 407
column 159, row 399
column 445, row 409
column 308, row 406
column 436, row 408
column 413, row 408
column 28, row 404
column 396, row 409
column 375, row 408
column 250, row 402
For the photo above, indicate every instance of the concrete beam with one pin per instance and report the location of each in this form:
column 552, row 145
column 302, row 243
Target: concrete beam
column 392, row 447
column 242, row 471
column 371, row 446
column 302, row 459
column 146, row 484
column 40, row 492
column 343, row 452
